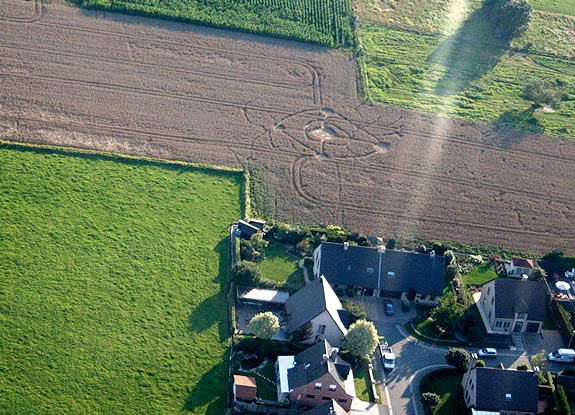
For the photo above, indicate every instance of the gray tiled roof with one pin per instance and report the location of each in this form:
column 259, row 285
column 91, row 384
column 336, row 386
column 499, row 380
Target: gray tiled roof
column 389, row 270
column 513, row 296
column 494, row 384
column 309, row 302
column 311, row 364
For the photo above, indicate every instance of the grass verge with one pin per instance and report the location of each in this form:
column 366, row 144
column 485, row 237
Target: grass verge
column 447, row 384
column 113, row 291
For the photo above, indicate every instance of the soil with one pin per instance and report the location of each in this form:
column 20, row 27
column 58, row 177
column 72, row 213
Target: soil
column 287, row 111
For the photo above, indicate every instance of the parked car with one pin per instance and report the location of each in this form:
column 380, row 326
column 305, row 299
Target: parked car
column 389, row 308
column 387, row 358
column 562, row 355
column 487, row 352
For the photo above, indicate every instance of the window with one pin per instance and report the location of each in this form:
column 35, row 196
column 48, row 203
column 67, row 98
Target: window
column 472, row 387
column 310, row 396
column 349, row 267
column 498, row 324
column 488, row 290
column 391, row 274
column 322, row 329
column 489, row 316
column 492, row 300
column 342, row 400
column 325, row 398
column 332, row 387
column 317, row 386
column 506, row 324
column 369, row 270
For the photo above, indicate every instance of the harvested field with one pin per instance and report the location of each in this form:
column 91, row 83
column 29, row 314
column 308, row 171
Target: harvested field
column 288, row 112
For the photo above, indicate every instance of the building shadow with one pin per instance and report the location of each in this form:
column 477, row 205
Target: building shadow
column 468, row 54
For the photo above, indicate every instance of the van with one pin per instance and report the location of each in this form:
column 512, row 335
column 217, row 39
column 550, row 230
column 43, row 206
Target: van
column 562, row 355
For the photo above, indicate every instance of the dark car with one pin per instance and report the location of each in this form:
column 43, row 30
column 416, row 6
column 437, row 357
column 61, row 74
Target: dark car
column 389, row 309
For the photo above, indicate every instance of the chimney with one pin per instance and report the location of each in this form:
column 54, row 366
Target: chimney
column 501, row 365
column 535, row 370
column 334, row 352
column 381, row 249
column 472, row 361
column 345, row 246
column 432, row 253
column 324, row 358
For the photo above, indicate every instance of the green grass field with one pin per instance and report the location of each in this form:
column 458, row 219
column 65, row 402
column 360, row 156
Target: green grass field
column 280, row 266
column 461, row 71
column 112, row 296
column 328, row 22
column 555, row 6
column 480, row 275
column 446, row 383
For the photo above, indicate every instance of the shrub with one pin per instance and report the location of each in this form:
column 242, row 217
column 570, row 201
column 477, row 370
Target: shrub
column 522, row 366
column 357, row 312
column 391, row 244
column 458, row 358
column 350, row 292
column 430, row 399
column 246, row 273
column 480, row 363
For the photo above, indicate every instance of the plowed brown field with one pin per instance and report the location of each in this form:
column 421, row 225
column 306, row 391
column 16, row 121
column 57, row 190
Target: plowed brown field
column 290, row 112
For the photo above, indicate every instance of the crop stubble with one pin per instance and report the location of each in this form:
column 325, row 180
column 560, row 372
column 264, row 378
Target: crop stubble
column 290, row 111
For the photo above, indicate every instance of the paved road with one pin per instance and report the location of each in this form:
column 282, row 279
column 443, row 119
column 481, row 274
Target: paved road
column 414, row 356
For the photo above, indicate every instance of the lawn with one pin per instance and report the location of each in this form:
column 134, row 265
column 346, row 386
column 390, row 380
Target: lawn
column 112, row 296
column 267, row 388
column 480, row 275
column 282, row 267
column 327, row 22
column 420, row 61
column 555, row 6
column 447, row 384
column 362, row 382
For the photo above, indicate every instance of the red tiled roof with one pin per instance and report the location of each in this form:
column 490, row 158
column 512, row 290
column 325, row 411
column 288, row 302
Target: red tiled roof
column 244, row 380
column 522, row 262
column 245, row 387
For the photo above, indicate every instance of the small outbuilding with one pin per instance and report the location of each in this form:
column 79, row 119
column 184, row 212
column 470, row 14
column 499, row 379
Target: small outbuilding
column 245, row 388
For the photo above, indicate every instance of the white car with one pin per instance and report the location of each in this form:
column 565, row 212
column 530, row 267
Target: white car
column 388, row 358
column 487, row 352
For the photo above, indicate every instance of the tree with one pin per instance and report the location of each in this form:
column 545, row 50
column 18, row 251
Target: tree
column 538, row 274
column 246, row 273
column 450, row 257
column 541, row 92
column 458, row 358
column 430, row 399
column 357, row 312
column 540, row 360
column 361, row 338
column 448, row 313
column 303, row 333
column 264, row 325
column 509, row 17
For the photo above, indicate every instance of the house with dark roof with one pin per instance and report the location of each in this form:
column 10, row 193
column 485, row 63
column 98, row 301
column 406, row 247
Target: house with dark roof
column 245, row 229
column 518, row 267
column 500, row 391
column 508, row 305
column 382, row 270
column 317, row 309
column 328, row 408
column 315, row 377
column 245, row 388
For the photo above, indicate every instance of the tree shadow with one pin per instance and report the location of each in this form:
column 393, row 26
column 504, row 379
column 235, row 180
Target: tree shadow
column 468, row 54
column 209, row 391
column 512, row 121
column 214, row 310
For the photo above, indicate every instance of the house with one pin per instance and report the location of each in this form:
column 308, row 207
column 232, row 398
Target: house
column 328, row 408
column 317, row 309
column 517, row 306
column 382, row 270
column 245, row 229
column 245, row 388
column 518, row 267
column 317, row 376
column 494, row 391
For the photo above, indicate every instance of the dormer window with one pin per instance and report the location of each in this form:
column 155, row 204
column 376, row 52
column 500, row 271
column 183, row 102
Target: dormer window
column 508, row 397
column 369, row 270
column 391, row 274
column 317, row 386
column 332, row 388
